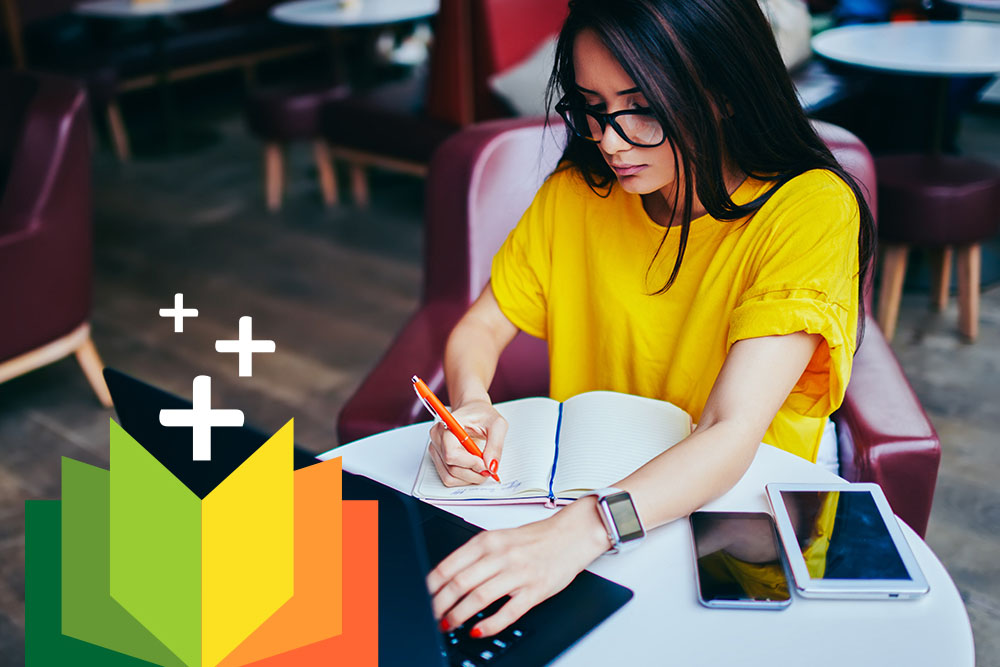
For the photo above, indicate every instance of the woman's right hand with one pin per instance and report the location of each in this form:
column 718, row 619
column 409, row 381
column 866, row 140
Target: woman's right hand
column 454, row 464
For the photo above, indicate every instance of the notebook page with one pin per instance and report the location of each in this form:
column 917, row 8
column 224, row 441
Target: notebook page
column 524, row 465
column 607, row 435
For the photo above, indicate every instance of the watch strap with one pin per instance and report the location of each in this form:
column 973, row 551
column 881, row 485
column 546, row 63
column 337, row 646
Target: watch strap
column 608, row 520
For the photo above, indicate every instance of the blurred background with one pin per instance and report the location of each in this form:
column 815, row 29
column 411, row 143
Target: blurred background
column 270, row 159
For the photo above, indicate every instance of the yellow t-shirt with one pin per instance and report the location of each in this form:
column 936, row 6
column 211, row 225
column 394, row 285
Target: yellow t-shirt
column 576, row 271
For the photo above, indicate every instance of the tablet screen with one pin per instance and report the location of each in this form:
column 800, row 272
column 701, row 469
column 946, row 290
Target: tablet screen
column 842, row 535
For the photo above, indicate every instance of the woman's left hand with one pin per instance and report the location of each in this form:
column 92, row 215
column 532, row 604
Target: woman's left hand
column 530, row 564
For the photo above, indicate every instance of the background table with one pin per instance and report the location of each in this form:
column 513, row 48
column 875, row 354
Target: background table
column 125, row 9
column 665, row 622
column 362, row 14
column 326, row 13
column 982, row 10
column 981, row 5
column 157, row 13
column 940, row 49
column 943, row 48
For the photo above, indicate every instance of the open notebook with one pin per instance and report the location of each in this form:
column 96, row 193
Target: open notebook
column 555, row 452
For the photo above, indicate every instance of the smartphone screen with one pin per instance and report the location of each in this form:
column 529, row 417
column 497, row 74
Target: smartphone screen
column 738, row 560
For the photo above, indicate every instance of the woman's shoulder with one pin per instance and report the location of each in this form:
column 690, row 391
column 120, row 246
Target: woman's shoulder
column 810, row 196
column 565, row 195
column 567, row 179
column 815, row 187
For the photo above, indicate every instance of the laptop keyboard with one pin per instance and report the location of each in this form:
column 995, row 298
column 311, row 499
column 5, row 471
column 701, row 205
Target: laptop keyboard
column 464, row 651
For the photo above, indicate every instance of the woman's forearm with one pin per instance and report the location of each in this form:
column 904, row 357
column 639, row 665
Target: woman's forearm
column 755, row 380
column 470, row 360
column 702, row 467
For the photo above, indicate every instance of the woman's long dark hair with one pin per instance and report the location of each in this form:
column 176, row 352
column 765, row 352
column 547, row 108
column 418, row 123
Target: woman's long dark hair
column 712, row 74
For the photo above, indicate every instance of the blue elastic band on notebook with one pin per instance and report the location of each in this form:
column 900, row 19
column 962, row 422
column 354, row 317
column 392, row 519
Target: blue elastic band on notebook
column 555, row 459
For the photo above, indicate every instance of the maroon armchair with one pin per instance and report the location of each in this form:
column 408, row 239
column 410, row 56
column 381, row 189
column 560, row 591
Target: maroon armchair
column 480, row 182
column 45, row 226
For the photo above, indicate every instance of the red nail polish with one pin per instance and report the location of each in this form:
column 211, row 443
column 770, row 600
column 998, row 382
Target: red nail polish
column 475, row 633
column 494, row 465
column 484, row 473
column 443, row 625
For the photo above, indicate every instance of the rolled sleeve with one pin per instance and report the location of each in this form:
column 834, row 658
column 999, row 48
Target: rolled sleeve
column 805, row 278
column 820, row 389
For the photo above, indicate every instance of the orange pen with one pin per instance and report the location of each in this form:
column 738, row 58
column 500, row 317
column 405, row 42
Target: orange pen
column 436, row 407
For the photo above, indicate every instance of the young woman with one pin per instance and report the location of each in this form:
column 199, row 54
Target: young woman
column 697, row 244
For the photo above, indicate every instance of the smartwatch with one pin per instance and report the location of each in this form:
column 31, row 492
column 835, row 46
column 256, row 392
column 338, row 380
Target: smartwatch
column 619, row 517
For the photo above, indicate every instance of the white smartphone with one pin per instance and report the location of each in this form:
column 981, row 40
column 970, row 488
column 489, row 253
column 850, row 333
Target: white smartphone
column 738, row 562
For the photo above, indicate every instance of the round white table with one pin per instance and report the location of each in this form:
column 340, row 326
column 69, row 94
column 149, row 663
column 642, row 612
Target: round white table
column 331, row 14
column 337, row 15
column 939, row 49
column 984, row 5
column 929, row 48
column 126, row 9
column 664, row 623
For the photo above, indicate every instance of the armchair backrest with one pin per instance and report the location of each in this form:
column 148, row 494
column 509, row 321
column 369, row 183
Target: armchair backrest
column 854, row 157
column 511, row 30
column 48, row 176
column 18, row 92
column 45, row 212
column 474, row 39
column 481, row 182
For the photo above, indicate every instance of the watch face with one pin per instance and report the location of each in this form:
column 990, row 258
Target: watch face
column 625, row 516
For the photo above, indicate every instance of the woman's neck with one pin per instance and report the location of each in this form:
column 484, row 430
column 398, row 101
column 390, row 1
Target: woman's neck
column 659, row 205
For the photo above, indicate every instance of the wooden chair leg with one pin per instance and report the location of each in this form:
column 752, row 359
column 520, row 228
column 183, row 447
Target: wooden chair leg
column 940, row 277
column 119, row 136
column 327, row 173
column 274, row 175
column 969, row 269
column 893, row 271
column 93, row 369
column 359, row 186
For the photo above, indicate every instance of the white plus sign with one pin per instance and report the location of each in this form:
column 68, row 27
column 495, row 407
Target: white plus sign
column 201, row 418
column 245, row 346
column 178, row 312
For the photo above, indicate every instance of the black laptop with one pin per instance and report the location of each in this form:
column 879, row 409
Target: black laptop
column 413, row 537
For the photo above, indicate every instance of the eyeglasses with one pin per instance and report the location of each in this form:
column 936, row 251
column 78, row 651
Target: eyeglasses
column 638, row 127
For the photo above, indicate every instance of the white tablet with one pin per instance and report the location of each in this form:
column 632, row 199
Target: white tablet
column 843, row 541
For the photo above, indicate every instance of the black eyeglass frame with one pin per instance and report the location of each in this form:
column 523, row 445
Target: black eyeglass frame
column 604, row 119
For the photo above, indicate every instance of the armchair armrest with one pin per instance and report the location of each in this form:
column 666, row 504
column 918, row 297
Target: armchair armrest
column 385, row 398
column 885, row 435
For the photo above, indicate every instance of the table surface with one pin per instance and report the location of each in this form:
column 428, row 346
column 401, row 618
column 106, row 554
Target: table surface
column 665, row 619
column 124, row 9
column 993, row 5
column 945, row 48
column 327, row 13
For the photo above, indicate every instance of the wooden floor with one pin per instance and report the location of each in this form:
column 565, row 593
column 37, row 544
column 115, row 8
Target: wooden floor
column 331, row 288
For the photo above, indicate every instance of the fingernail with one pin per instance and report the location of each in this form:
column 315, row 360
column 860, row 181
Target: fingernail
column 443, row 625
column 494, row 465
column 484, row 473
column 475, row 633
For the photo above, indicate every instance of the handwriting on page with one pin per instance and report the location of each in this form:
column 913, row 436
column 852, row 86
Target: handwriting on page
column 485, row 489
